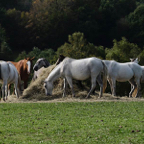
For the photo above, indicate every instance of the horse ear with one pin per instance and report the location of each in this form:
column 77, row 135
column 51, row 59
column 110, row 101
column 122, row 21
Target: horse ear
column 32, row 58
column 132, row 59
column 138, row 59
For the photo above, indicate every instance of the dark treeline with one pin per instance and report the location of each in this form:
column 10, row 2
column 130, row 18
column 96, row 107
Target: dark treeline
column 25, row 24
column 108, row 29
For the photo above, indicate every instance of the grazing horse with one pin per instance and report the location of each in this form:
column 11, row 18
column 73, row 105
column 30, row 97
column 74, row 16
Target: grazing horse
column 9, row 75
column 122, row 72
column 80, row 69
column 41, row 62
column 24, row 68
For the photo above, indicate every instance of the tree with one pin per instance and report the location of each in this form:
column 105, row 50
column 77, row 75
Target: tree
column 5, row 51
column 112, row 19
column 122, row 50
column 78, row 47
column 136, row 20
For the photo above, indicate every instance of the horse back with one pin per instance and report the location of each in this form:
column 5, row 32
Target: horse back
column 120, row 71
column 82, row 68
column 21, row 69
column 4, row 70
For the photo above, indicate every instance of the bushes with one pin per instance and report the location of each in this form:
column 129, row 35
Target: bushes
column 37, row 53
column 78, row 47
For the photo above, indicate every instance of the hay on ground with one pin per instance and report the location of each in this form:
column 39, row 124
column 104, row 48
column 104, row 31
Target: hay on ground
column 36, row 90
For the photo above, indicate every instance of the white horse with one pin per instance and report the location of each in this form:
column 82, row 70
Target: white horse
column 137, row 60
column 41, row 62
column 80, row 69
column 9, row 75
column 123, row 72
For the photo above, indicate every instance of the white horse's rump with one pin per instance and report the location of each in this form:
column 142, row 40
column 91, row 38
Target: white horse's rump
column 122, row 72
column 8, row 75
column 80, row 69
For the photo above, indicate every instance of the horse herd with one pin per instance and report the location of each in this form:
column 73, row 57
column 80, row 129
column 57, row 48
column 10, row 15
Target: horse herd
column 68, row 68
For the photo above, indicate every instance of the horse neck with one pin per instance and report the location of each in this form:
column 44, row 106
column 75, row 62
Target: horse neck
column 23, row 66
column 55, row 74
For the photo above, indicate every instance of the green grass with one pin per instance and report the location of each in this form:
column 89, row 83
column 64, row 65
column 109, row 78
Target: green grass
column 72, row 123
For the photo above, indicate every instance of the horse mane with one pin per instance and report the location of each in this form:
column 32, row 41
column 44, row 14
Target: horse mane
column 46, row 62
column 60, row 59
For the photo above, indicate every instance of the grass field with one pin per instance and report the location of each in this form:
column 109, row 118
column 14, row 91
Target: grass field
column 72, row 123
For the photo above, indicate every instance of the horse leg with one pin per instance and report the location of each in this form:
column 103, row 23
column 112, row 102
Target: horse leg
column 25, row 84
column 3, row 89
column 93, row 85
column 16, row 90
column 64, row 87
column 99, row 80
column 3, row 92
column 138, row 87
column 69, row 80
column 9, row 87
column 6, row 91
column 133, row 86
column 113, row 87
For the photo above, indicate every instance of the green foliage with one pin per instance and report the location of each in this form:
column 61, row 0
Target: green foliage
column 2, row 34
column 78, row 47
column 37, row 53
column 136, row 20
column 22, row 55
column 5, row 51
column 141, row 58
column 122, row 51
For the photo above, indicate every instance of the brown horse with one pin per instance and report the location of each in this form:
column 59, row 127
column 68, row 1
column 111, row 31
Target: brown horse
column 24, row 68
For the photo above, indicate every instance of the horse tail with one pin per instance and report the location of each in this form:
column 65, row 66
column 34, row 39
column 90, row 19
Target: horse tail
column 105, row 73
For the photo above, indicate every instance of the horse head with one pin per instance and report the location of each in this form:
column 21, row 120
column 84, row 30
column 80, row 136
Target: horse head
column 60, row 59
column 28, row 63
column 48, row 88
column 136, row 60
column 41, row 62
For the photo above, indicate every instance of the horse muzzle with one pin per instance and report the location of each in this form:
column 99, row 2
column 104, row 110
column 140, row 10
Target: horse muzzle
column 48, row 94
